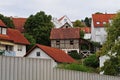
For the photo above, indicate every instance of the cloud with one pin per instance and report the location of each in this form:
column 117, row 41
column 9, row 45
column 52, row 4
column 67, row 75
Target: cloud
column 74, row 9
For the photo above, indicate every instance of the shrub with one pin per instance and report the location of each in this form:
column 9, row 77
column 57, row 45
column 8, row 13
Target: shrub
column 92, row 61
column 75, row 55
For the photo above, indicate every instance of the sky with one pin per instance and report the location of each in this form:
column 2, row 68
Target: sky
column 74, row 9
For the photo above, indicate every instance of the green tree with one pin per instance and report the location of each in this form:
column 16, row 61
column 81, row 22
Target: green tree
column 112, row 47
column 78, row 23
column 31, row 40
column 8, row 22
column 87, row 21
column 82, row 33
column 39, row 26
column 92, row 61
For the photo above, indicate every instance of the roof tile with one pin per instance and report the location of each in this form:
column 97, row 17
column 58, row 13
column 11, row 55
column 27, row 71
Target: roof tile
column 2, row 24
column 101, row 18
column 65, row 33
column 19, row 23
column 15, row 36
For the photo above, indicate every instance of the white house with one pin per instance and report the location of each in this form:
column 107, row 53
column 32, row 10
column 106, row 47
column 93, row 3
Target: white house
column 45, row 52
column 98, row 30
column 12, row 42
column 87, row 31
column 58, row 23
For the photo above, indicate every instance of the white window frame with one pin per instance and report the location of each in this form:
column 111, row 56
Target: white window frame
column 19, row 48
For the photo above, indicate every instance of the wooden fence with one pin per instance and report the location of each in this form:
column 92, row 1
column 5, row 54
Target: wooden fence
column 17, row 68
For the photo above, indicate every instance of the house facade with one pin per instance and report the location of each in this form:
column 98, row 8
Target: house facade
column 66, row 39
column 58, row 23
column 98, row 30
column 12, row 42
column 45, row 52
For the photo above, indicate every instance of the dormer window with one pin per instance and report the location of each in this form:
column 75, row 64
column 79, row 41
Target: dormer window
column 104, row 22
column 97, row 22
column 3, row 30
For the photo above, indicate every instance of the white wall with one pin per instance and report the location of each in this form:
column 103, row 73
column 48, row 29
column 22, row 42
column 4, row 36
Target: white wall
column 2, row 47
column 102, row 59
column 20, row 53
column 87, row 36
column 98, row 34
column 43, row 55
column 56, row 23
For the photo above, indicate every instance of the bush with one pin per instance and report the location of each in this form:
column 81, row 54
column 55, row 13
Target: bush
column 75, row 55
column 92, row 61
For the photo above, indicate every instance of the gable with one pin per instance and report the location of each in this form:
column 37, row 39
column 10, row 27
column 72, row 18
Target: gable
column 66, row 25
column 33, row 54
column 56, row 54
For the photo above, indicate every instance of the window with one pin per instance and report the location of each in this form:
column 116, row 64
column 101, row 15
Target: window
column 57, row 42
column 97, row 22
column 65, row 20
column 71, row 42
column 9, row 48
column 66, row 26
column 37, row 53
column 19, row 48
column 104, row 22
column 3, row 30
column 0, row 30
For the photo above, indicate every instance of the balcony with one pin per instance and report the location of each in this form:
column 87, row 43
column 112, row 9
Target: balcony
column 7, row 53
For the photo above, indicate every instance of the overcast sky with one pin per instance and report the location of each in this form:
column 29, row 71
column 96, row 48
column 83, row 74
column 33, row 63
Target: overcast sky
column 74, row 9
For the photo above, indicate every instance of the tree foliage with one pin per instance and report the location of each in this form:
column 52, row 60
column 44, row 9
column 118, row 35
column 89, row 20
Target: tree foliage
column 8, row 22
column 112, row 47
column 39, row 26
column 82, row 34
column 78, row 23
column 75, row 55
column 92, row 61
column 87, row 21
column 30, row 39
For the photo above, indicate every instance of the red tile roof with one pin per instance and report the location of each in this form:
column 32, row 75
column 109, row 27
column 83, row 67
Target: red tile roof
column 65, row 33
column 86, row 29
column 19, row 23
column 101, row 18
column 56, row 54
column 2, row 24
column 15, row 36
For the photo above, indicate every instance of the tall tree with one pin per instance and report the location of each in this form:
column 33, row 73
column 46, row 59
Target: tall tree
column 39, row 26
column 112, row 47
column 78, row 23
column 87, row 21
column 7, row 21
